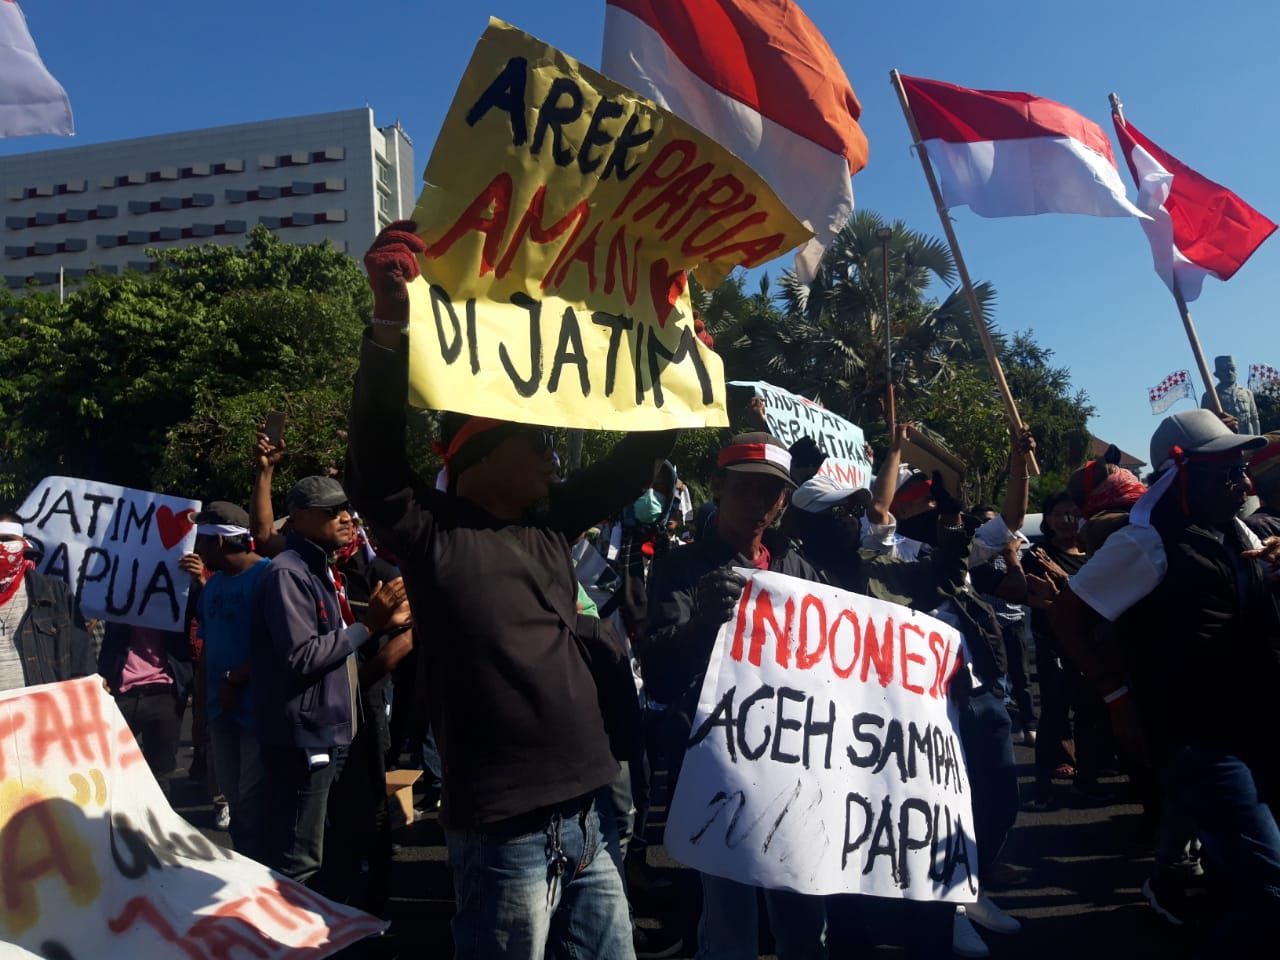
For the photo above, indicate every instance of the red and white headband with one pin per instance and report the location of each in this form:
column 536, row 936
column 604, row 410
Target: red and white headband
column 755, row 453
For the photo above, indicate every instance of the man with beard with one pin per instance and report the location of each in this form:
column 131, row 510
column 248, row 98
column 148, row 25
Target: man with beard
column 1190, row 590
column 692, row 591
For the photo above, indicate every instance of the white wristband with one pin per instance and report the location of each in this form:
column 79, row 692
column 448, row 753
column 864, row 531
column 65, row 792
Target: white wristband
column 1116, row 694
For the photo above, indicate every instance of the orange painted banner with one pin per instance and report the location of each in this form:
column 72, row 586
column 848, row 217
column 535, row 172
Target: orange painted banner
column 95, row 863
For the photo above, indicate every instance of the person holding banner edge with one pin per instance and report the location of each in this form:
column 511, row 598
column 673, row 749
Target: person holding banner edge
column 691, row 593
column 512, row 700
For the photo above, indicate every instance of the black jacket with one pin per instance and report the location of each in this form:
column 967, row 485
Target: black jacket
column 115, row 651
column 513, row 704
column 1203, row 648
column 51, row 638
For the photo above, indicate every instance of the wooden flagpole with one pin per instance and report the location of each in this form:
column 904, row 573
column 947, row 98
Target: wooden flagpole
column 975, row 308
column 1188, row 325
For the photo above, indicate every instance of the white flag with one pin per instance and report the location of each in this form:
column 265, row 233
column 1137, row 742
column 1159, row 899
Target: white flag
column 31, row 100
column 1170, row 390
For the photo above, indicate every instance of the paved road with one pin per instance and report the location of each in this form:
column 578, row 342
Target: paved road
column 1079, row 899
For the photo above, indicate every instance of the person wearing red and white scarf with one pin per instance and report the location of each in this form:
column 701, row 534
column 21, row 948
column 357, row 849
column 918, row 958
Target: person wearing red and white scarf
column 59, row 648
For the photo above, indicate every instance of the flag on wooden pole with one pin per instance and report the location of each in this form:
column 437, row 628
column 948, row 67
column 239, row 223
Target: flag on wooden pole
column 1197, row 228
column 758, row 77
column 1008, row 154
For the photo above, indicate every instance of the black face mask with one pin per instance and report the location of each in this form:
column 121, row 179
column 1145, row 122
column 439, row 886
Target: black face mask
column 922, row 527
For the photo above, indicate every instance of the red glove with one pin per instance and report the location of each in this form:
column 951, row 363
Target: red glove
column 391, row 263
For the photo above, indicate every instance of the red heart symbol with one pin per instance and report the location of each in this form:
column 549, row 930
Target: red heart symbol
column 172, row 526
column 665, row 288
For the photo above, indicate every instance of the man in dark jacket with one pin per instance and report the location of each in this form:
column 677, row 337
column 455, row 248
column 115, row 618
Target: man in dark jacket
column 692, row 592
column 303, row 670
column 512, row 700
column 1198, row 637
column 42, row 635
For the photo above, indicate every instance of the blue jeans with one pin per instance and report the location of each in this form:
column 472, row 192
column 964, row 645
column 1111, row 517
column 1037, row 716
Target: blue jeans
column 729, row 925
column 985, row 734
column 552, row 891
column 1219, row 792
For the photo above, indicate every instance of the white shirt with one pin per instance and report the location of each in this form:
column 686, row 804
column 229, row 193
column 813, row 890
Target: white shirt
column 1129, row 566
column 989, row 540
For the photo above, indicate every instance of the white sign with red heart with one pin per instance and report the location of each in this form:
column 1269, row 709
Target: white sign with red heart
column 116, row 547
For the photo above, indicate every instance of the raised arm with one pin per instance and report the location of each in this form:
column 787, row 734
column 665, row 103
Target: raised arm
column 1014, row 510
column 262, row 521
column 605, row 487
column 378, row 479
column 886, row 484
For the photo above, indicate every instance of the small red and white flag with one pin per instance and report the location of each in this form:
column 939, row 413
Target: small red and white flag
column 1170, row 390
column 1263, row 378
column 1198, row 228
column 757, row 77
column 31, row 101
column 1009, row 154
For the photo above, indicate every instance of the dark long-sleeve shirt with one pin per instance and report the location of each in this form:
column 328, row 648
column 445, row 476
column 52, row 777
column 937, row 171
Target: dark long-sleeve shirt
column 512, row 703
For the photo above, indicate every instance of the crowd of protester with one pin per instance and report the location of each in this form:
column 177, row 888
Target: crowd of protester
column 536, row 642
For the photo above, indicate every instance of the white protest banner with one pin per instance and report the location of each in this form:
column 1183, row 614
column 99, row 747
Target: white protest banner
column 94, row 862
column 117, row 548
column 824, row 755
column 791, row 417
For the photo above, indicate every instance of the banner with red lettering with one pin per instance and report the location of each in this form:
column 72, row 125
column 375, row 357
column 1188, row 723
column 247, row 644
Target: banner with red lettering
column 825, row 755
column 95, row 863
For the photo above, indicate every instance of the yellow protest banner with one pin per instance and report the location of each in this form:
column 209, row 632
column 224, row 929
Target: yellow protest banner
column 560, row 214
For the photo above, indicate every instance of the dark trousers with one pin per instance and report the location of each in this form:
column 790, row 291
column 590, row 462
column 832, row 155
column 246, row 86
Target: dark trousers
column 1015, row 648
column 155, row 717
column 359, row 828
column 297, row 803
column 1055, row 711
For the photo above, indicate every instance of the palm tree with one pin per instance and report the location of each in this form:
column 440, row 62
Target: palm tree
column 827, row 341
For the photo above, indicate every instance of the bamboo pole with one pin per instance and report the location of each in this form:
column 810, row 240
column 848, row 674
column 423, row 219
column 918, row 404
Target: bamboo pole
column 885, row 234
column 975, row 308
column 1211, row 391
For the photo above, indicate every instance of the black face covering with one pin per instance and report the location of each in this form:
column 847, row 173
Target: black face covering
column 922, row 527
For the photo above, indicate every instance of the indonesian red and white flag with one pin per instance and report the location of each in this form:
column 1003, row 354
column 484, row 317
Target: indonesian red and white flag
column 31, row 101
column 1198, row 228
column 757, row 77
column 1176, row 386
column 1009, row 154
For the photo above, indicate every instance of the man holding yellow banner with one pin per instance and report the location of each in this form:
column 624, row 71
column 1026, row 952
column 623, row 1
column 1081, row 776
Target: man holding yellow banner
column 542, row 282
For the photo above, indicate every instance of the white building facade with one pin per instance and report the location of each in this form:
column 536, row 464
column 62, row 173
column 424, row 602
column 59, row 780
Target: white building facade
column 331, row 176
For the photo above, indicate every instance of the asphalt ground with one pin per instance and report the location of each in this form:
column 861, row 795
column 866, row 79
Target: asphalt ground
column 1074, row 880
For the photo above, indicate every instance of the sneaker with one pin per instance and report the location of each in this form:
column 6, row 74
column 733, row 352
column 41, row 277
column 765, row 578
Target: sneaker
column 1029, row 737
column 655, row 944
column 965, row 941
column 222, row 817
column 987, row 915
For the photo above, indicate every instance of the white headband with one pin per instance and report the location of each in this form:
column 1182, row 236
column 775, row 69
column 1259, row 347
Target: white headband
column 12, row 529
column 221, row 530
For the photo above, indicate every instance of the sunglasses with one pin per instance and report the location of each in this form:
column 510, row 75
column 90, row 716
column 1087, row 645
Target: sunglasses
column 540, row 441
column 334, row 512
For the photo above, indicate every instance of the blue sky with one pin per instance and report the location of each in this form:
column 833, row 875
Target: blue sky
column 1199, row 79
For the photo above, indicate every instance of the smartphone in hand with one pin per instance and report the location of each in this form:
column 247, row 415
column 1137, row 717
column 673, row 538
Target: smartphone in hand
column 275, row 426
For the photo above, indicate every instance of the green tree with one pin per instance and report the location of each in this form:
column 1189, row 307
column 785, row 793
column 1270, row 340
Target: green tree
column 150, row 379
